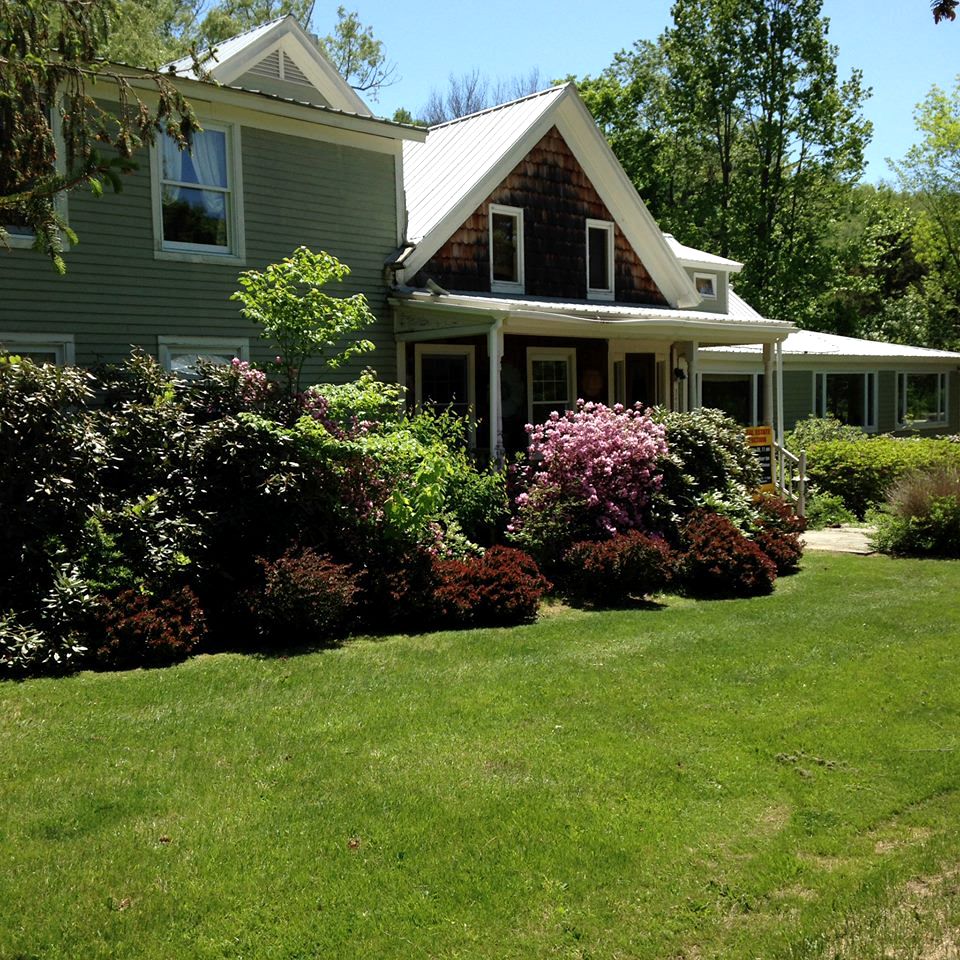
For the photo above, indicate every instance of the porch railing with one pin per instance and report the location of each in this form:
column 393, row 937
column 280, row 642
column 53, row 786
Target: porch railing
column 792, row 477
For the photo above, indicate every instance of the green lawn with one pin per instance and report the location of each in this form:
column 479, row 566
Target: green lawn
column 757, row 778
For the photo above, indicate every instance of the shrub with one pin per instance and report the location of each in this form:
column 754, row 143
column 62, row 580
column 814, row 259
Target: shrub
column 499, row 589
column 26, row 651
column 306, row 599
column 719, row 561
column 610, row 571
column 821, row 429
column 138, row 629
column 777, row 533
column 596, row 463
column 826, row 510
column 863, row 473
column 922, row 515
column 708, row 462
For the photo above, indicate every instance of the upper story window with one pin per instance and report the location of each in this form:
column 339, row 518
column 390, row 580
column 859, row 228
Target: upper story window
column 18, row 233
column 599, row 259
column 198, row 202
column 921, row 399
column 506, row 249
column 706, row 284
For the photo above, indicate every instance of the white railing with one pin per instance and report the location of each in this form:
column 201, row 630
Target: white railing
column 792, row 477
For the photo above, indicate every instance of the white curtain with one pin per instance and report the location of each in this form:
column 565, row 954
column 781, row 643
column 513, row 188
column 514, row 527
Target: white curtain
column 209, row 160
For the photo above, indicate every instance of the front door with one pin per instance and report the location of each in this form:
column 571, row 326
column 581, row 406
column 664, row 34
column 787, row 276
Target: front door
column 640, row 370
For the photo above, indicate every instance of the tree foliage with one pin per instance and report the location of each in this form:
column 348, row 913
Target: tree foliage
column 739, row 132
column 54, row 136
column 469, row 92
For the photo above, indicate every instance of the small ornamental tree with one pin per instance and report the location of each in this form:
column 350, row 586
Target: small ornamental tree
column 596, row 465
column 287, row 301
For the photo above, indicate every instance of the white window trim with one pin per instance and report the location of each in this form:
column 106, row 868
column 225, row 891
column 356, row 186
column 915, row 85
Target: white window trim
column 449, row 350
column 195, row 252
column 712, row 277
column 504, row 286
column 552, row 353
column 900, row 395
column 60, row 344
column 238, row 347
column 601, row 293
column 821, row 401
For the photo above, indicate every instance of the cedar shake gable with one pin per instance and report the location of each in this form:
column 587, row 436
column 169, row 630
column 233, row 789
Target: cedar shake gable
column 557, row 199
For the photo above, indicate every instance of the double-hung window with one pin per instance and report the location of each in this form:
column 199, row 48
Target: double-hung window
column 506, row 249
column 198, row 198
column 921, row 399
column 850, row 397
column 551, row 381
column 599, row 260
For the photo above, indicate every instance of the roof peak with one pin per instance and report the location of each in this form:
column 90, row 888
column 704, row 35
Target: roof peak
column 501, row 106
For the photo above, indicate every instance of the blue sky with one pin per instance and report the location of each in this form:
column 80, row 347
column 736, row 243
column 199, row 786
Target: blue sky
column 894, row 42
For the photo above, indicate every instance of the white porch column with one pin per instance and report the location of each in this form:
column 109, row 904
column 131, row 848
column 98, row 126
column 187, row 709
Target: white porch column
column 693, row 378
column 402, row 364
column 494, row 413
column 768, row 374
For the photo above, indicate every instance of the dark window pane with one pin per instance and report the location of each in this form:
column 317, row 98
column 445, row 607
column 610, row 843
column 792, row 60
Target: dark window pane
column 599, row 259
column 923, row 398
column 444, row 382
column 194, row 216
column 845, row 399
column 728, row 392
column 506, row 262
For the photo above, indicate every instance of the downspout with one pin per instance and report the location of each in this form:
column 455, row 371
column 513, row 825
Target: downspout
column 494, row 340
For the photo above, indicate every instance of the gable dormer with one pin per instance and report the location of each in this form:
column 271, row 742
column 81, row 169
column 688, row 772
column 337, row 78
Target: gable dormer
column 279, row 58
column 710, row 274
column 544, row 231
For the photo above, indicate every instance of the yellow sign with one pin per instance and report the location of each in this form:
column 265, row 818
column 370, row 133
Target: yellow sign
column 760, row 441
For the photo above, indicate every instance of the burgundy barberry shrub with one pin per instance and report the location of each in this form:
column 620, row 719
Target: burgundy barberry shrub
column 719, row 561
column 499, row 589
column 608, row 572
column 307, row 599
column 142, row 630
column 778, row 532
column 601, row 461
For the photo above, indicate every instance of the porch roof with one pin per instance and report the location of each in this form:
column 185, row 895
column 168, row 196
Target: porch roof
column 422, row 313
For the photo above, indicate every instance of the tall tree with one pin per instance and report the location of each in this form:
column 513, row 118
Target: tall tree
column 750, row 110
column 54, row 136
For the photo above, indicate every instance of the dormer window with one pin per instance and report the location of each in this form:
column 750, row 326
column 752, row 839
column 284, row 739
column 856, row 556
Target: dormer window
column 506, row 249
column 706, row 284
column 599, row 260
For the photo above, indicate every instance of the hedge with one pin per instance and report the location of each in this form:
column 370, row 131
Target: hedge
column 861, row 472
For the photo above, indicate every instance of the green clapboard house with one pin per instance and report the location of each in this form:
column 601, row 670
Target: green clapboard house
column 289, row 155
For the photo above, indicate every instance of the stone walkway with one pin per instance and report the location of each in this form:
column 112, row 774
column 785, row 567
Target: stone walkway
column 840, row 539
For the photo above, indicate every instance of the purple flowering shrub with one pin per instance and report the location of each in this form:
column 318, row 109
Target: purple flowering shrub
column 591, row 473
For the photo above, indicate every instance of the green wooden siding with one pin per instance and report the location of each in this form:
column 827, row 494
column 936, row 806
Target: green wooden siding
column 117, row 294
column 797, row 396
column 886, row 401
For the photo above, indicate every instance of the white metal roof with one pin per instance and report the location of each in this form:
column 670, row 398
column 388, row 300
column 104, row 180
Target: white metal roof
column 456, row 155
column 691, row 257
column 814, row 344
column 185, row 67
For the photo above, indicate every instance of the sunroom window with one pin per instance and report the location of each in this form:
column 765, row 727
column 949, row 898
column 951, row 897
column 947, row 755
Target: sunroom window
column 850, row 397
column 506, row 249
column 921, row 399
column 196, row 194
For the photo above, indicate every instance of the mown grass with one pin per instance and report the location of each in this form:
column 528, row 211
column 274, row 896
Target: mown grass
column 727, row 779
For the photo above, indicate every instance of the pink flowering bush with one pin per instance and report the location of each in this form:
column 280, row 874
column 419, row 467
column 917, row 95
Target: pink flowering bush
column 592, row 473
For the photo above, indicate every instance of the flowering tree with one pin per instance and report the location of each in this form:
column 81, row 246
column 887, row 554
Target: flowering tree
column 593, row 472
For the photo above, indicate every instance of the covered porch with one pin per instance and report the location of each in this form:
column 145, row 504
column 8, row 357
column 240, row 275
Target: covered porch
column 507, row 362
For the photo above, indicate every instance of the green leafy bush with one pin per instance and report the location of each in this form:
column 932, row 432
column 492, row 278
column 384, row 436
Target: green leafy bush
column 306, row 599
column 862, row 473
column 821, row 429
column 922, row 515
column 27, row 651
column 826, row 510
column 609, row 572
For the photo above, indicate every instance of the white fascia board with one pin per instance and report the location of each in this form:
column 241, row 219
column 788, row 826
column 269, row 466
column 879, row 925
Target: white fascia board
column 290, row 37
column 593, row 153
column 274, row 113
column 494, row 175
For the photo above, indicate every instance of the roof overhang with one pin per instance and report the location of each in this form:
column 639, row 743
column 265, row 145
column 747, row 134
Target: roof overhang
column 420, row 315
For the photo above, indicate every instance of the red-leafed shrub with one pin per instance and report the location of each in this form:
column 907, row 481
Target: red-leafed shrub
column 719, row 561
column 778, row 532
column 609, row 571
column 307, row 599
column 141, row 630
column 501, row 588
